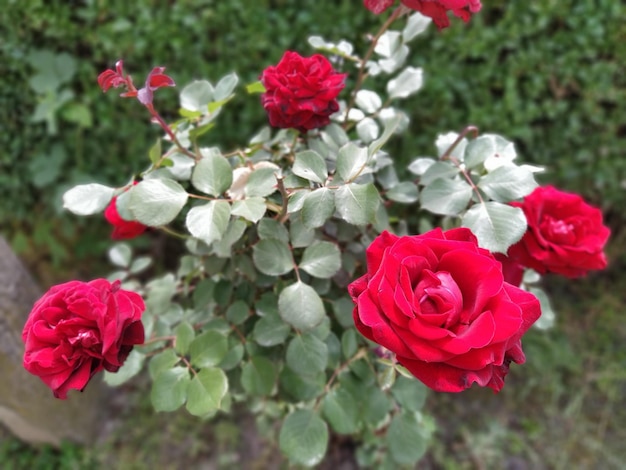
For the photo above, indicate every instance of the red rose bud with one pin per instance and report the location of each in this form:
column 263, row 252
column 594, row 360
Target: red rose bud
column 435, row 9
column 78, row 329
column 122, row 229
column 301, row 91
column 440, row 303
column 565, row 235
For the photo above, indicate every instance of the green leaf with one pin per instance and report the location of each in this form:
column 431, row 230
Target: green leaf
column 299, row 234
column 311, row 166
column 405, row 193
column 369, row 101
column 357, row 203
column 169, row 389
column 162, row 361
column 341, row 410
column 87, row 199
column 478, row 150
column 208, row 349
column 255, row 87
column 225, row 87
column 155, row 152
column 252, row 208
column 508, row 183
column 446, row 196
column 300, row 306
column 237, row 312
column 258, row 376
column 318, row 207
column 131, row 367
column 303, row 438
column 410, row 393
column 406, row 439
column 139, row 264
column 438, row 170
column 206, row 391
column 307, row 355
column 351, row 161
column 156, row 202
column 120, row 255
column 408, row 82
column 270, row 228
column 209, row 222
column 233, row 357
column 349, row 342
column 234, row 231
column 184, row 336
column 420, row 165
column 270, row 331
column 272, row 257
column 322, row 259
column 302, row 387
column 196, row 96
column 497, row 226
column 212, row 174
column 261, row 182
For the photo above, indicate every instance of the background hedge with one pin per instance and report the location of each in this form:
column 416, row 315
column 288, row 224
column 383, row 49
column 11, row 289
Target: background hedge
column 547, row 74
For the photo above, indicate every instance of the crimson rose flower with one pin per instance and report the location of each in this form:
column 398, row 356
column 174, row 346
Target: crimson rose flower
column 565, row 234
column 435, row 9
column 122, row 229
column 439, row 302
column 301, row 92
column 79, row 328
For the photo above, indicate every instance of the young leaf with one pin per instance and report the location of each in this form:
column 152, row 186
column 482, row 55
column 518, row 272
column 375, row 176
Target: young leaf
column 225, row 87
column 196, row 96
column 303, row 438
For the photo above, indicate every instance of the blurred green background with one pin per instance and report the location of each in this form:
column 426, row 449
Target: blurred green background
column 547, row 74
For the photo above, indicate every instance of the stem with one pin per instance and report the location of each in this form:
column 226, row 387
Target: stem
column 447, row 156
column 173, row 233
column 359, row 355
column 165, row 126
column 362, row 75
column 156, row 339
column 188, row 364
column 284, row 215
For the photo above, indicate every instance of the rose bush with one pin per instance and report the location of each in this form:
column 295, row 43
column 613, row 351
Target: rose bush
column 77, row 329
column 301, row 92
column 435, row 9
column 565, row 234
column 440, row 303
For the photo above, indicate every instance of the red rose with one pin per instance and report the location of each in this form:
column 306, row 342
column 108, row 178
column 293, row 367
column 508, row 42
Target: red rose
column 435, row 9
column 439, row 302
column 79, row 328
column 122, row 229
column 301, row 92
column 565, row 234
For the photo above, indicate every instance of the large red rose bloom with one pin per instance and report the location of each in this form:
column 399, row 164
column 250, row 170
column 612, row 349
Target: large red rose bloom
column 78, row 329
column 301, row 92
column 440, row 303
column 565, row 234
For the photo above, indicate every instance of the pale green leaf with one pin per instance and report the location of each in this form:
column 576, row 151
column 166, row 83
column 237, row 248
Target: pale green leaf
column 405, row 193
column 307, row 355
column 446, row 196
column 156, row 202
column 196, row 96
column 120, row 254
column 408, row 82
column 209, row 222
column 322, row 259
column 318, row 207
column 341, row 410
column 252, row 208
column 311, row 166
column 357, row 203
column 131, row 367
column 169, row 389
column 87, row 199
column 497, row 226
column 258, row 376
column 208, row 349
column 272, row 257
column 406, row 439
column 300, row 306
column 212, row 174
column 507, row 183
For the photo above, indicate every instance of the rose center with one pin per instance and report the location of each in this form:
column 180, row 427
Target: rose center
column 85, row 339
column 559, row 231
column 439, row 295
